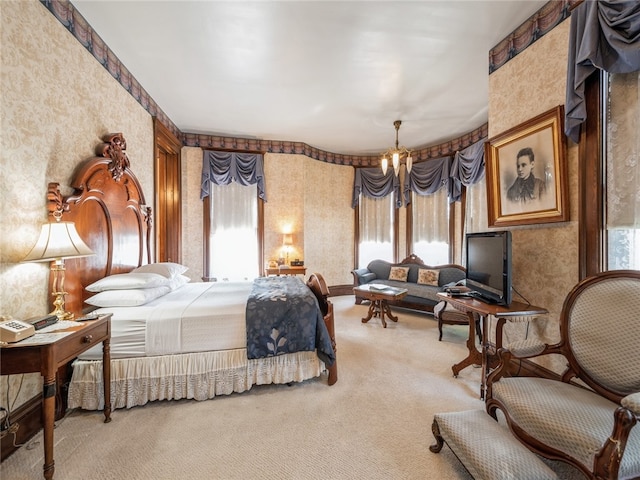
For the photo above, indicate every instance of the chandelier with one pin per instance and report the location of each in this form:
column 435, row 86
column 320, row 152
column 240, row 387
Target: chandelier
column 396, row 154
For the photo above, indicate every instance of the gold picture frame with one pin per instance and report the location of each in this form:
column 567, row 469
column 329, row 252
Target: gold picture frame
column 526, row 170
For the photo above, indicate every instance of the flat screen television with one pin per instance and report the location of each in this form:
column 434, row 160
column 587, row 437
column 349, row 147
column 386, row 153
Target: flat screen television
column 488, row 266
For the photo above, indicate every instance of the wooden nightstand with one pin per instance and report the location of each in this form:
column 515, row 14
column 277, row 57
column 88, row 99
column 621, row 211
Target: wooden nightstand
column 284, row 270
column 45, row 353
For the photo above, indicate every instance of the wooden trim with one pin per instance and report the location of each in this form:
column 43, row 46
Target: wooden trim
column 590, row 203
column 409, row 227
column 206, row 234
column 356, row 236
column 168, row 186
column 396, row 231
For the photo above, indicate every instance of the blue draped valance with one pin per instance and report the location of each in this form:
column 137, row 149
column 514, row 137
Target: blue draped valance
column 468, row 168
column 221, row 168
column 426, row 178
column 372, row 183
column 603, row 35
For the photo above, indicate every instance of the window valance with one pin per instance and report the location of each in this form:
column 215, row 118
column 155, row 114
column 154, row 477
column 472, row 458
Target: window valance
column 604, row 35
column 426, row 178
column 372, row 183
column 468, row 168
column 221, row 168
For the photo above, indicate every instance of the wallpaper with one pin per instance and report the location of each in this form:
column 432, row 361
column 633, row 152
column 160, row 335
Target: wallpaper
column 308, row 198
column 57, row 103
column 545, row 256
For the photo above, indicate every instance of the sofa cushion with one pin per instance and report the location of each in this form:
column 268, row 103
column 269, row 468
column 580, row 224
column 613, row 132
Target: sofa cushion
column 368, row 277
column 399, row 274
column 428, row 277
column 381, row 268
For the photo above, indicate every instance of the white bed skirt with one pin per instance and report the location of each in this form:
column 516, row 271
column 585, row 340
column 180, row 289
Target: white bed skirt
column 200, row 376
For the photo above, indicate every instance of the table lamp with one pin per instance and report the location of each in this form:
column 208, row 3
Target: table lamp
column 287, row 242
column 58, row 240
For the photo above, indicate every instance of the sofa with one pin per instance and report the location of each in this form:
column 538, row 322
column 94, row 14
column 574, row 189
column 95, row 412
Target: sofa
column 423, row 282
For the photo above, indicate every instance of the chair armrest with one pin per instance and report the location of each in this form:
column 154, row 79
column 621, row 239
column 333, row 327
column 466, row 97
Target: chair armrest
column 526, row 348
column 362, row 276
column 632, row 402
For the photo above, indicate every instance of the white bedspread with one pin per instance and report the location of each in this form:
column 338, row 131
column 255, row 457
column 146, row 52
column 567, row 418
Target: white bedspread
column 197, row 317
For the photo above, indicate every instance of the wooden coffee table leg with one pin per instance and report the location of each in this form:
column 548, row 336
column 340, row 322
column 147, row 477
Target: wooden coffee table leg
column 371, row 312
column 386, row 310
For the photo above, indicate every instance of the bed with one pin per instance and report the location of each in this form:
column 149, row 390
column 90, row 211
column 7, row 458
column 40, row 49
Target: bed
column 195, row 340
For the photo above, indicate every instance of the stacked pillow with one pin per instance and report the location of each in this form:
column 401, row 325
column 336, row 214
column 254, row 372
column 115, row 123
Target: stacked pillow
column 140, row 286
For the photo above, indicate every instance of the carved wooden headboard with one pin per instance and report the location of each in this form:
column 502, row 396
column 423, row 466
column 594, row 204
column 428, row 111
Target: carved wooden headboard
column 111, row 215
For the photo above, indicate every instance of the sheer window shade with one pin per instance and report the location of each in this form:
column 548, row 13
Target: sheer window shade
column 623, row 150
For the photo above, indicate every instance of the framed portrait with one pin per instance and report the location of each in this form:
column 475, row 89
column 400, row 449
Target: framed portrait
column 526, row 170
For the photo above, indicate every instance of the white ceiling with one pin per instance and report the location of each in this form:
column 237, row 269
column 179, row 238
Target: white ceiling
column 332, row 74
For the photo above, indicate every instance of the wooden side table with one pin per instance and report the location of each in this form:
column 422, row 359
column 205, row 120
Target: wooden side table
column 379, row 306
column 286, row 270
column 502, row 313
column 45, row 353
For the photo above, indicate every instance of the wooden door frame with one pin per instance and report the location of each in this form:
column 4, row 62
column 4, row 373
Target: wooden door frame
column 165, row 142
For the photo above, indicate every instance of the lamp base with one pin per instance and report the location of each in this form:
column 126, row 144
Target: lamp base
column 59, row 310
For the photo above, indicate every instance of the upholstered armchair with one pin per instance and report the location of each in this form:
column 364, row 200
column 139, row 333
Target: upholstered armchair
column 589, row 416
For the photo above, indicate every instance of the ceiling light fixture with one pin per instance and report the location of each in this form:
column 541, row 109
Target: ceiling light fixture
column 396, row 154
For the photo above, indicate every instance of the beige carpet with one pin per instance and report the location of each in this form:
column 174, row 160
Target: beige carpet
column 375, row 423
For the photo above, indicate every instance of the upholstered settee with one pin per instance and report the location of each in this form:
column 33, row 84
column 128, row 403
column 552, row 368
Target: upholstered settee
column 590, row 416
column 423, row 282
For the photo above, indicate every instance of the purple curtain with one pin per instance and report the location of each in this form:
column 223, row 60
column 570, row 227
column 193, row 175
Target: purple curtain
column 426, row 178
column 221, row 168
column 606, row 36
column 468, row 168
column 372, row 183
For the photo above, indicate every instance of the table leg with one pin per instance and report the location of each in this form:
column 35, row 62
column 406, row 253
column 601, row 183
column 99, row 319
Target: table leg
column 386, row 310
column 106, row 378
column 48, row 417
column 376, row 309
column 371, row 312
column 474, row 357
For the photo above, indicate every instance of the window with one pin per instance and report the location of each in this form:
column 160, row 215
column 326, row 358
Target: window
column 622, row 171
column 376, row 218
column 233, row 241
column 430, row 227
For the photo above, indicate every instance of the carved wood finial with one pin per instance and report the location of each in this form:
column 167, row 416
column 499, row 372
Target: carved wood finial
column 114, row 147
column 55, row 203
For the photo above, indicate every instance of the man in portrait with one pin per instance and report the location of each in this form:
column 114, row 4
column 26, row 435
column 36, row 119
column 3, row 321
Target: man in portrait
column 526, row 186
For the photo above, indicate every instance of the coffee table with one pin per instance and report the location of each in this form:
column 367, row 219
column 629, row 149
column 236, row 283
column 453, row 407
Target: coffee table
column 379, row 298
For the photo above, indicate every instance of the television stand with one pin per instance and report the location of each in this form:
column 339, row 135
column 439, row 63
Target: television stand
column 474, row 305
column 482, row 298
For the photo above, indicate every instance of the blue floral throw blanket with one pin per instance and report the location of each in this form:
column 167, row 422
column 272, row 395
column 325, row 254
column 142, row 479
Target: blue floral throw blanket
column 283, row 316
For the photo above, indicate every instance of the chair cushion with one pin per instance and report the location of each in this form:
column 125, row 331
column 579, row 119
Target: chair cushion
column 570, row 419
column 487, row 449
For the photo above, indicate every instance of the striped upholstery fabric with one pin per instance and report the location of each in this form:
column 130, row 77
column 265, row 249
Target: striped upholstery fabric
column 487, row 449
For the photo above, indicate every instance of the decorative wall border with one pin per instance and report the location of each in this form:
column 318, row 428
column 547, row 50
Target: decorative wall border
column 538, row 24
column 68, row 16
column 534, row 28
column 278, row 146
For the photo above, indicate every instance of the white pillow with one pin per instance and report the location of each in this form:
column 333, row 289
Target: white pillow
column 127, row 298
column 123, row 281
column 166, row 269
column 178, row 281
